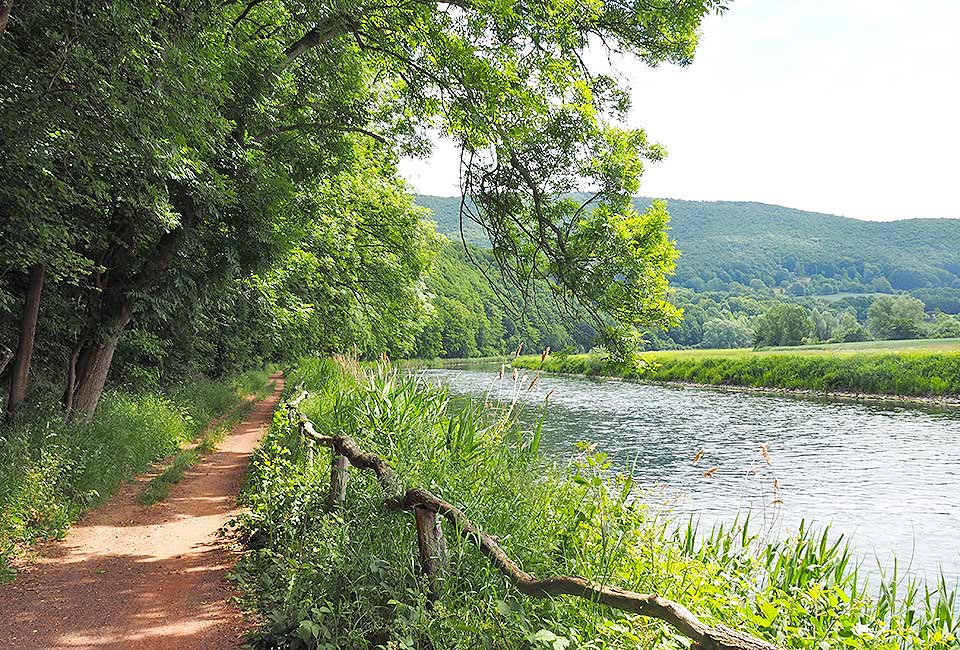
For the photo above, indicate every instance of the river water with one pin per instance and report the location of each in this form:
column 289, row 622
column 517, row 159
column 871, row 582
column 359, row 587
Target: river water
column 886, row 476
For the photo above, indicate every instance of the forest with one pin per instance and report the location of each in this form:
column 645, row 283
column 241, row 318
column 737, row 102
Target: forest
column 737, row 262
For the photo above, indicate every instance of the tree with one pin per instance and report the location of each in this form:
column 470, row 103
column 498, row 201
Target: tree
column 896, row 317
column 172, row 151
column 783, row 324
column 849, row 330
column 724, row 333
column 944, row 326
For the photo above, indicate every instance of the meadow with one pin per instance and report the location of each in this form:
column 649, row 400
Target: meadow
column 926, row 368
column 321, row 579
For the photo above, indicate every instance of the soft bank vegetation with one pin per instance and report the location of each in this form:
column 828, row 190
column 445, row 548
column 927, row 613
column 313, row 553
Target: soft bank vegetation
column 52, row 471
column 349, row 578
column 875, row 370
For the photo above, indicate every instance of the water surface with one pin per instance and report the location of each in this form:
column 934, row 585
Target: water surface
column 885, row 475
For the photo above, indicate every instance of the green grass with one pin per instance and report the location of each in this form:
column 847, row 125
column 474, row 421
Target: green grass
column 51, row 472
column 324, row 580
column 159, row 486
column 924, row 368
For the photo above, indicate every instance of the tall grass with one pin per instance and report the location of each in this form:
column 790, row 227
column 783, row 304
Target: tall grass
column 349, row 579
column 51, row 471
column 915, row 374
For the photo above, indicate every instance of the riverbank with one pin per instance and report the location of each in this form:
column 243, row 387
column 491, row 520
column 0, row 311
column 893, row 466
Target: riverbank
column 349, row 577
column 921, row 377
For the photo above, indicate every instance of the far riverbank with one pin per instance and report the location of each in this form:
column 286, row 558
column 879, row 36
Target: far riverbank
column 923, row 377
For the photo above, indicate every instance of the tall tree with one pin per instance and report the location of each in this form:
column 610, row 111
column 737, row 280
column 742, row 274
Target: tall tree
column 160, row 147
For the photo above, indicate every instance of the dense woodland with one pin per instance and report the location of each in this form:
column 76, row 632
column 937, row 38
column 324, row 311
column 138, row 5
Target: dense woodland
column 739, row 264
column 194, row 187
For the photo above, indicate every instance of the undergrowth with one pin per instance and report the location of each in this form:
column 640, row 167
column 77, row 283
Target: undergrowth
column 349, row 579
column 52, row 471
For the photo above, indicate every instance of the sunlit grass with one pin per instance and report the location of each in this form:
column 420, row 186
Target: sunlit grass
column 894, row 368
column 52, row 471
column 159, row 486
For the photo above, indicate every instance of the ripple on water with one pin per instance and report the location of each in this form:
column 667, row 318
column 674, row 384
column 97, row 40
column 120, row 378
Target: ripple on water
column 886, row 476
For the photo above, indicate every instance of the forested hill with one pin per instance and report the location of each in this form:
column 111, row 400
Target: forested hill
column 726, row 242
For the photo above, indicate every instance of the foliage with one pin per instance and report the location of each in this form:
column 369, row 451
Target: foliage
column 203, row 180
column 783, row 324
column 324, row 580
column 896, row 317
column 475, row 314
column 718, row 333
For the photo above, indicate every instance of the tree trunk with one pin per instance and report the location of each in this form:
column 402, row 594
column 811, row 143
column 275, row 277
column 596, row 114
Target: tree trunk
column 28, row 330
column 93, row 364
column 5, row 7
column 71, row 379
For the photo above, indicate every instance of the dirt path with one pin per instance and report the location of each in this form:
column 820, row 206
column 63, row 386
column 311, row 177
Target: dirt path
column 144, row 577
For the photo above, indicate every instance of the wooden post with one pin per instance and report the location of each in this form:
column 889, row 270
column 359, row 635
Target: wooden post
column 432, row 546
column 339, row 474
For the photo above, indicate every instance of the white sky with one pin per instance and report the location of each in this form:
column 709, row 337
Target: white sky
column 849, row 107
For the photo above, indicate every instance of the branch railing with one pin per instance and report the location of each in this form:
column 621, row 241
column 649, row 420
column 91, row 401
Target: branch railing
column 430, row 510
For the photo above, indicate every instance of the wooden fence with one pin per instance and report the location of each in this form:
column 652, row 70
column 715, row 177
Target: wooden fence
column 429, row 510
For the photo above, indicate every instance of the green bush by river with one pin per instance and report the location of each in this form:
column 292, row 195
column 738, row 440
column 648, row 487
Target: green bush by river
column 323, row 580
column 875, row 370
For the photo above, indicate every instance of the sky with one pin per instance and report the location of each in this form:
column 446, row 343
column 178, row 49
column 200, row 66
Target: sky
column 849, row 107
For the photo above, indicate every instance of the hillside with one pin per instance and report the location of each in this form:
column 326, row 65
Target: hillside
column 724, row 242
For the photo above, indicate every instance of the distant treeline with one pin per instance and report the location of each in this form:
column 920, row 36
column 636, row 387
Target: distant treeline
column 740, row 262
column 738, row 246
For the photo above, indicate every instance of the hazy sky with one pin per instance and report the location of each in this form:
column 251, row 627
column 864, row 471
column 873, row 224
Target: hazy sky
column 844, row 106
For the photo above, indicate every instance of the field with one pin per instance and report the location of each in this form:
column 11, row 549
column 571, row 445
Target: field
column 910, row 345
column 928, row 368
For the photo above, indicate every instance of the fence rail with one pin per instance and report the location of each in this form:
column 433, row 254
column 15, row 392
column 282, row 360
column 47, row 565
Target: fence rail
column 429, row 510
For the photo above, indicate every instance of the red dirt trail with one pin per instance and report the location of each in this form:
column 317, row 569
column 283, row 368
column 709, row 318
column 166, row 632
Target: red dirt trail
column 144, row 577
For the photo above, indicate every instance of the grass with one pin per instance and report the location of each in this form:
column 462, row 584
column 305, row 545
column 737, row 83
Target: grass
column 51, row 472
column 925, row 368
column 159, row 486
column 323, row 580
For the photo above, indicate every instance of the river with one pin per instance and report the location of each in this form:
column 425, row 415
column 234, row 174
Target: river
column 887, row 476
